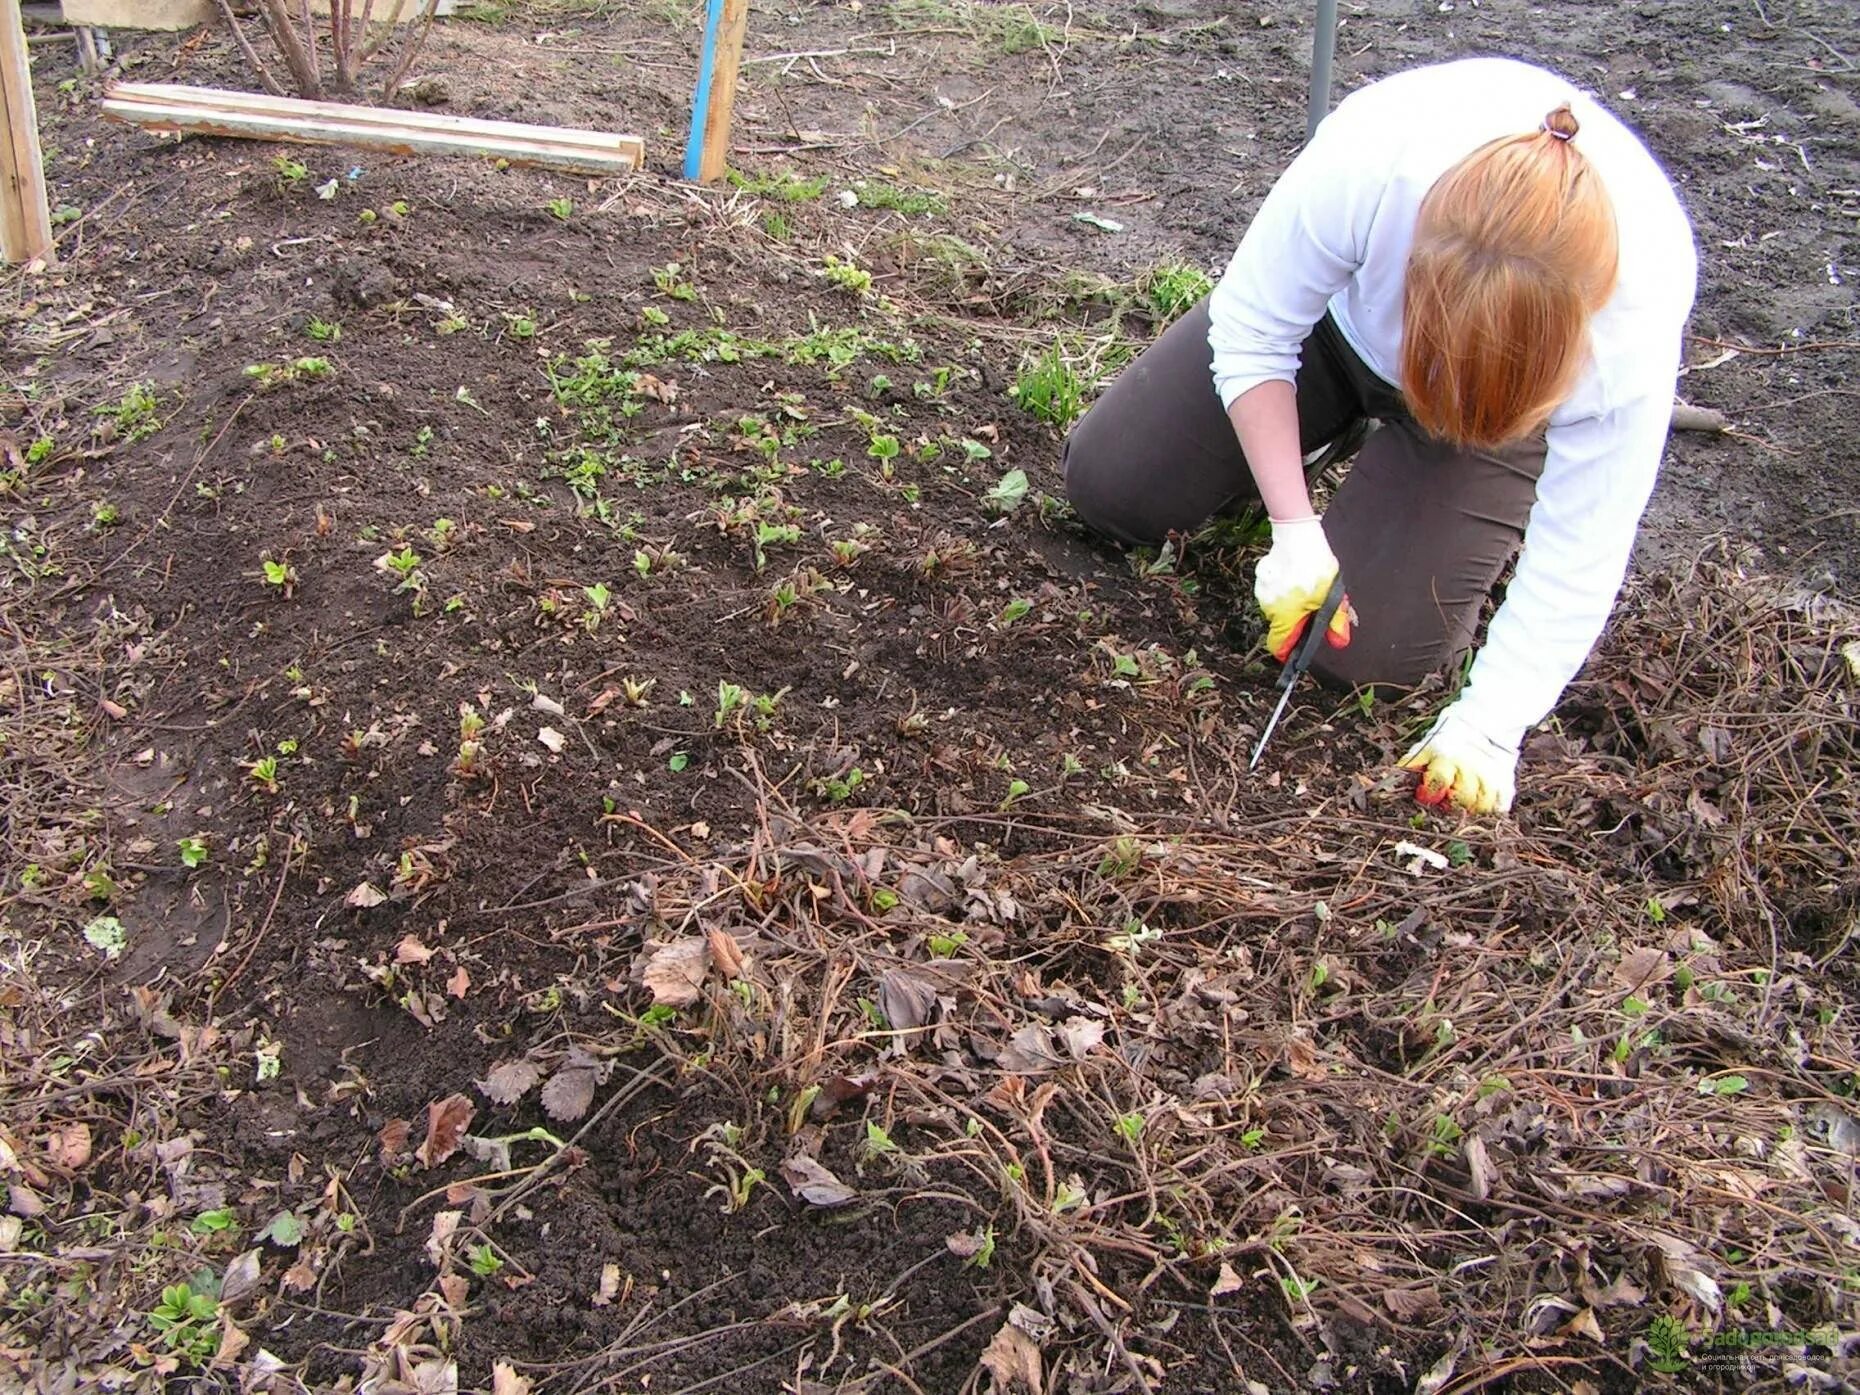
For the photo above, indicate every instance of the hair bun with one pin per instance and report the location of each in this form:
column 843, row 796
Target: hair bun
column 1562, row 123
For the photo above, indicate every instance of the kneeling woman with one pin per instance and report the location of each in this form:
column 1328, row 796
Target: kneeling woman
column 1495, row 271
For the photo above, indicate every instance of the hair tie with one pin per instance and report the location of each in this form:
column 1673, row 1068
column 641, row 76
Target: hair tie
column 1562, row 123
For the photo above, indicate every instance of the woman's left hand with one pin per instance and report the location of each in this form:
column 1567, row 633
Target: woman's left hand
column 1462, row 765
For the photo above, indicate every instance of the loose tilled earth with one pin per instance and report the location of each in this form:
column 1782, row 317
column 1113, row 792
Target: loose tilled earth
column 578, row 816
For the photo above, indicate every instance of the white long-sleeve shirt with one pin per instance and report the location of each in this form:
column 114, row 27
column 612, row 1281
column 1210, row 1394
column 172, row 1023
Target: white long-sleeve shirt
column 1334, row 234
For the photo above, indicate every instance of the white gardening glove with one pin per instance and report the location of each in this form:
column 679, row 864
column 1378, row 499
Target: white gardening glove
column 1292, row 582
column 1461, row 764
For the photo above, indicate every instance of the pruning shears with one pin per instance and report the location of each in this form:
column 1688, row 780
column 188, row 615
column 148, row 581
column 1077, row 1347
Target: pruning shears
column 1300, row 661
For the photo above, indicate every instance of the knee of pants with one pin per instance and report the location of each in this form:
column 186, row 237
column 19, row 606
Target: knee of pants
column 1360, row 665
column 1093, row 484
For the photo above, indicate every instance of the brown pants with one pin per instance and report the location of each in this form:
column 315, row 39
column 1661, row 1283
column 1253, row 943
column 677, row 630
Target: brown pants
column 1421, row 529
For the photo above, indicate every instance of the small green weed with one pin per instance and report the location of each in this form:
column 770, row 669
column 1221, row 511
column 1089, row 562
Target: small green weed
column 782, row 186
column 1048, row 388
column 562, row 208
column 135, row 416
column 188, row 1321
column 848, row 276
column 670, row 281
column 1171, row 289
column 889, row 196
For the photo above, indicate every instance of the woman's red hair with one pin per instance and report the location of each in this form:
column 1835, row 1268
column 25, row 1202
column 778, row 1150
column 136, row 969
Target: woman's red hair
column 1514, row 250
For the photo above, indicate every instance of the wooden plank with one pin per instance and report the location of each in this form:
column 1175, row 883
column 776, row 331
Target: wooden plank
column 215, row 112
column 707, row 154
column 25, row 217
column 125, row 95
column 139, row 14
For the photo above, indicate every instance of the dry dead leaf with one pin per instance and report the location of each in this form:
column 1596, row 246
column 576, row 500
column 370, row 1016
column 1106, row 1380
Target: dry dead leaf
column 814, row 1184
column 1079, row 1035
column 446, row 1122
column 1685, row 1270
column 675, row 972
column 1411, row 1304
column 1478, row 1166
column 1585, row 1325
column 24, row 1202
column 1622, row 1293
column 365, row 896
column 411, row 951
column 1640, row 967
column 1436, row 1377
column 907, row 1001
column 1012, row 1360
column 300, row 1277
column 1030, row 1051
column 509, row 1082
column 506, row 1381
column 553, row 739
column 658, row 389
column 965, row 1244
column 393, row 1138
column 439, row 1239
column 241, row 1280
column 68, row 1145
column 725, row 953
column 456, row 1290
column 571, row 1089
column 460, row 982
column 610, row 1285
column 233, row 1343
column 1301, row 1058
column 1226, row 1282
column 434, row 1376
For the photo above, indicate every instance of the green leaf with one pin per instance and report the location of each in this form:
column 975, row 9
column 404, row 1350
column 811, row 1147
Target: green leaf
column 678, row 762
column 1007, row 495
column 285, row 1230
column 106, row 933
column 1724, row 1085
column 212, row 1222
column 1458, row 854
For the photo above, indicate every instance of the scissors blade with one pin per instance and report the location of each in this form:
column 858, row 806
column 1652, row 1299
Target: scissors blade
column 1301, row 661
column 1266, row 735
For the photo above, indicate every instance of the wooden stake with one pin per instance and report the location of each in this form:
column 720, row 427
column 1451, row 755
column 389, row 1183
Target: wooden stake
column 214, row 112
column 25, row 217
column 707, row 154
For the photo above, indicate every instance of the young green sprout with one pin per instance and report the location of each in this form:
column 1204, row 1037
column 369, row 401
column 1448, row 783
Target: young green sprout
column 598, row 597
column 281, row 575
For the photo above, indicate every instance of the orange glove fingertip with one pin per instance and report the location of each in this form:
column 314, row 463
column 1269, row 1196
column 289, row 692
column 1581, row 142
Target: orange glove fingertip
column 1432, row 795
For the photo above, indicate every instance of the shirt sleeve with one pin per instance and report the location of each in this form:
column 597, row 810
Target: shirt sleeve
column 1301, row 248
column 1597, row 478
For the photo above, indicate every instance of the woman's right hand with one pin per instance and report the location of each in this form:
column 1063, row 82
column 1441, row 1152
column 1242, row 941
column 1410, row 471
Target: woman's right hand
column 1291, row 584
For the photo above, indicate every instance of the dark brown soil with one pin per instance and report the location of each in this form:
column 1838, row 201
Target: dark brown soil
column 978, row 694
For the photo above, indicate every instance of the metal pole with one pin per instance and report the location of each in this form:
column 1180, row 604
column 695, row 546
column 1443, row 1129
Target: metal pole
column 1323, row 49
